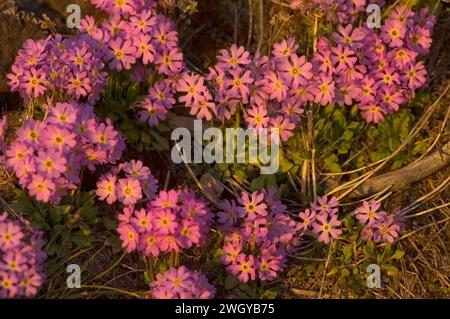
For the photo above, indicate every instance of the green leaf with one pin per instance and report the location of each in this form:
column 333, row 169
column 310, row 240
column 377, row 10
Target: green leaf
column 231, row 282
column 391, row 269
column 332, row 163
column 398, row 254
column 285, row 165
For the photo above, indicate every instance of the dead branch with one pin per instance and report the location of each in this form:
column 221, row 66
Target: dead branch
column 405, row 176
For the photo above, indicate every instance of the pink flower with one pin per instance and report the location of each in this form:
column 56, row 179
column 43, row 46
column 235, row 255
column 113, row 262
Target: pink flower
column 153, row 113
column 284, row 126
column 243, row 268
column 257, row 117
column 393, row 33
column 34, row 81
column 170, row 62
column 106, row 188
column 41, row 188
column 142, row 221
column 189, row 234
column 128, row 191
column 386, row 230
column 129, row 237
column 296, row 70
column 324, row 91
column 235, row 58
column 166, row 199
column 122, row 54
column 324, row 206
column 368, row 212
column 149, row 244
column 252, row 205
column 415, row 75
column 164, row 222
column 52, row 163
column 326, row 227
column 308, row 217
column 284, row 49
column 10, row 235
column 372, row 112
column 230, row 253
column 275, row 87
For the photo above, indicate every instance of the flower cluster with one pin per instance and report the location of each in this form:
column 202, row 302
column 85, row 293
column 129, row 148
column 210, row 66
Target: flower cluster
column 136, row 182
column 182, row 283
column 321, row 218
column 259, row 234
column 134, row 35
column 376, row 70
column 48, row 156
column 3, row 125
column 379, row 225
column 342, row 11
column 21, row 259
column 136, row 38
column 73, row 66
column 174, row 220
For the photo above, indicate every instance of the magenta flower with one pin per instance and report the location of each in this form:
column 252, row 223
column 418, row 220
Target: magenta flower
column 308, row 217
column 129, row 237
column 284, row 49
column 343, row 58
column 324, row 91
column 142, row 221
column 164, row 222
column 41, row 188
column 386, row 230
column 296, row 70
column 326, row 227
column 166, row 199
column 415, row 75
column 257, row 117
column 243, row 268
column 121, row 54
column 170, row 62
column 63, row 114
column 324, row 206
column 275, row 87
column 57, row 138
column 34, row 81
column 182, row 283
column 149, row 244
column 393, row 33
column 230, row 253
column 229, row 213
column 143, row 22
column 347, row 36
column 368, row 212
column 144, row 48
column 239, row 84
column 106, row 188
column 203, row 109
column 284, row 126
column 390, row 99
column 153, row 113
column 252, row 205
column 10, row 235
column 51, row 164
column 372, row 112
column 193, row 86
column 128, row 191
column 235, row 58
column 268, row 267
